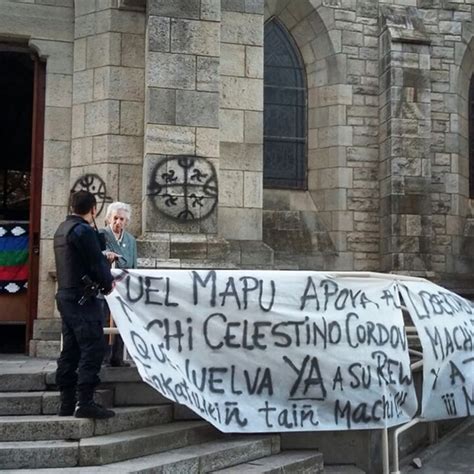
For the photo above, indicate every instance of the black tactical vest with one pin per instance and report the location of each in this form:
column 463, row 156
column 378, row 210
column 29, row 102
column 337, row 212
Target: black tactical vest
column 69, row 266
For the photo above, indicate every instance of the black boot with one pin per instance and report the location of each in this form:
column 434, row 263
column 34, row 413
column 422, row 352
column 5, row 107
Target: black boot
column 67, row 401
column 87, row 408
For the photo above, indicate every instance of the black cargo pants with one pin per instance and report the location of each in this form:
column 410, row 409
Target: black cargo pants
column 83, row 342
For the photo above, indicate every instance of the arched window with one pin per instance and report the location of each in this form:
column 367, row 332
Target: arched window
column 471, row 138
column 284, row 110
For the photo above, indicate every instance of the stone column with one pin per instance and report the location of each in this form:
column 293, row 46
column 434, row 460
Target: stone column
column 181, row 120
column 405, row 136
column 108, row 93
column 241, row 123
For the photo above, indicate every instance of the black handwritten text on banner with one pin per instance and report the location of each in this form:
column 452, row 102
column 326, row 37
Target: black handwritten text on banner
column 263, row 351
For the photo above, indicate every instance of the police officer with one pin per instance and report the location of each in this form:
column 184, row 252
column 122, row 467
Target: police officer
column 78, row 254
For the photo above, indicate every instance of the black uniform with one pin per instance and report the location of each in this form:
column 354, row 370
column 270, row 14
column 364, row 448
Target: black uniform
column 78, row 253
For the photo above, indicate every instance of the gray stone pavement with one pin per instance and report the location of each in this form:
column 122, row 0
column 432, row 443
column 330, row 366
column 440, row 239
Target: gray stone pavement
column 453, row 454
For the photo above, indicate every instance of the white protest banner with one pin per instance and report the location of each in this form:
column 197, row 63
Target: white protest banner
column 445, row 325
column 269, row 351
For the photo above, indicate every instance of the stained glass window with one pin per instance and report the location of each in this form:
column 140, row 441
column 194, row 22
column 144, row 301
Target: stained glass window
column 471, row 139
column 284, row 110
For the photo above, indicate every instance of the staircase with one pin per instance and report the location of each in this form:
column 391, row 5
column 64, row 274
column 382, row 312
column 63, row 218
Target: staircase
column 148, row 433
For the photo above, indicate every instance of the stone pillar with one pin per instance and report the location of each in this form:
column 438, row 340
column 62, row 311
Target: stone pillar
column 181, row 120
column 241, row 121
column 108, row 93
column 405, row 136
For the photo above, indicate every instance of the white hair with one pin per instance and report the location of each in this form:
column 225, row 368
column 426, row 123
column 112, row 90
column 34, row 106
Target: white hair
column 118, row 206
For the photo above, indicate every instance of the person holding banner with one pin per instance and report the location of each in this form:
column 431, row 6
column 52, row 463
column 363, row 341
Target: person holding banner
column 121, row 251
column 82, row 272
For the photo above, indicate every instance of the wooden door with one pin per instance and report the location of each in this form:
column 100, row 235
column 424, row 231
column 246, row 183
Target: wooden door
column 35, row 191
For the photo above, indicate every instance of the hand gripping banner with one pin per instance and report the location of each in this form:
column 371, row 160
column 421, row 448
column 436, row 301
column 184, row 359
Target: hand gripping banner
column 270, row 351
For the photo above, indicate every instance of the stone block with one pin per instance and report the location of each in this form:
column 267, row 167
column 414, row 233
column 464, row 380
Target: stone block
column 133, row 51
column 81, row 151
column 126, row 192
column 207, row 142
column 253, row 189
column 136, row 394
column 161, row 106
column 232, row 60
column 207, row 74
column 170, row 140
column 131, row 118
column 176, row 71
column 84, row 26
column 210, row 10
column 103, row 50
column 118, row 149
column 195, row 37
column 188, row 250
column 198, row 109
column 254, row 61
column 240, row 224
column 102, row 117
column 112, row 448
column 231, row 188
column 159, row 34
column 15, row 456
column 57, row 123
column 241, row 93
column 119, row 83
column 175, row 9
column 335, row 136
column 78, row 120
column 36, row 21
column 242, row 28
column 26, row 382
column 20, row 403
column 340, row 94
column 133, row 418
column 231, row 125
column 56, row 154
column 80, row 56
column 253, row 127
column 241, row 156
column 120, row 21
column 85, row 7
column 83, row 86
column 55, row 186
column 58, row 55
column 48, row 349
column 153, row 248
column 47, row 329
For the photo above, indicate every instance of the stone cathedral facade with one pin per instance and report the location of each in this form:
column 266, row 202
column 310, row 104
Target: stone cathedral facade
column 329, row 135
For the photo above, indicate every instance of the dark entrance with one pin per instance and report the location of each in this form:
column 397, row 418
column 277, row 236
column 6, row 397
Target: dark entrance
column 21, row 139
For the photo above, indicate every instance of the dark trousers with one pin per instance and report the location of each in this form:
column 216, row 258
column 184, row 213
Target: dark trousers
column 83, row 343
column 114, row 353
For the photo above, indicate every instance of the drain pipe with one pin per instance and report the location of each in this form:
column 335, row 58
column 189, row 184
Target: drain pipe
column 398, row 431
column 385, row 455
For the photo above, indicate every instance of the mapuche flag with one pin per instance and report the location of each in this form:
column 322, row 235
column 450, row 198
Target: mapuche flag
column 13, row 257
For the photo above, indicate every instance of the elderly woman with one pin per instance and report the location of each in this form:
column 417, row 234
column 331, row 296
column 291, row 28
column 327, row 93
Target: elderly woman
column 121, row 251
column 121, row 245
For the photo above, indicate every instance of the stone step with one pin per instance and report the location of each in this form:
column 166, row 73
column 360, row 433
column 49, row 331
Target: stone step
column 15, row 381
column 286, row 462
column 135, row 393
column 41, row 403
column 105, row 449
column 343, row 469
column 204, row 457
column 107, row 375
column 51, row 427
column 131, row 444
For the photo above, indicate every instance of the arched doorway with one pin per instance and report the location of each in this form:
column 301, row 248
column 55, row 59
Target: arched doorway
column 22, row 82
